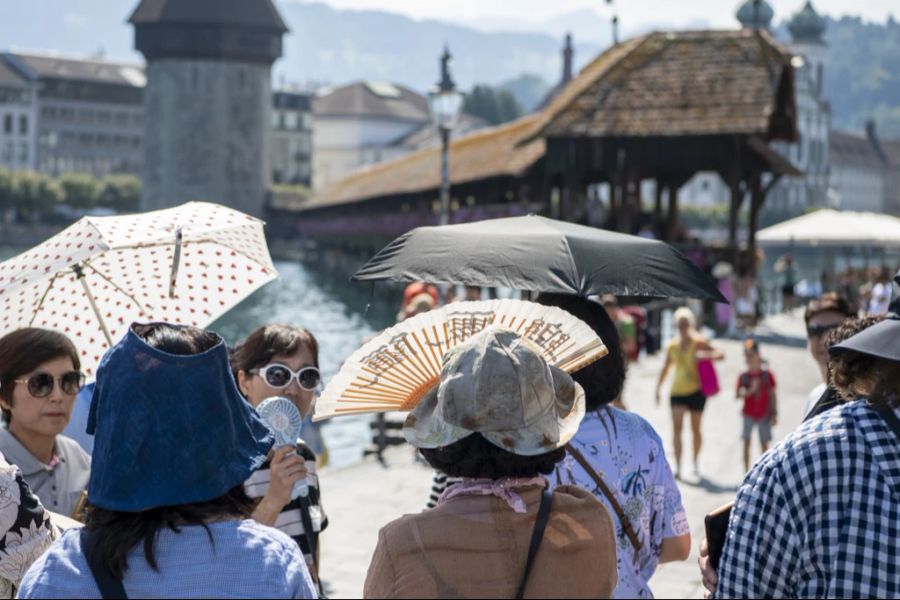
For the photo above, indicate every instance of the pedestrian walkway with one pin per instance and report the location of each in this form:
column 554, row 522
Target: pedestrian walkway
column 360, row 499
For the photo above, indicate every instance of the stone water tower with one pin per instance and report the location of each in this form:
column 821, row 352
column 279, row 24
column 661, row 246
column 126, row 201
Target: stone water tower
column 208, row 100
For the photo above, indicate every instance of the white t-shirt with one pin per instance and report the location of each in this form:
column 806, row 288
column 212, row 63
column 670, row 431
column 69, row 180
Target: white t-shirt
column 814, row 396
column 881, row 299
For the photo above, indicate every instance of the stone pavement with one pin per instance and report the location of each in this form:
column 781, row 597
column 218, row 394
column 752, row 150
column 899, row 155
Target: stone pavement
column 362, row 498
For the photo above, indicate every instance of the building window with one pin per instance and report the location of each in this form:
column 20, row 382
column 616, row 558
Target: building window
column 23, row 153
column 122, row 119
column 8, row 152
column 23, row 124
column 7, row 124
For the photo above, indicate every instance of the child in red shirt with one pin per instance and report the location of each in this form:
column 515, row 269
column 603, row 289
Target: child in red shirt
column 756, row 386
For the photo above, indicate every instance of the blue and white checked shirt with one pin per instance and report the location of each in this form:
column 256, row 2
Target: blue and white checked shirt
column 244, row 560
column 819, row 515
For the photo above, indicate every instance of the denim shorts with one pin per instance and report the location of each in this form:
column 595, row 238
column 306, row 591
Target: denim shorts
column 765, row 429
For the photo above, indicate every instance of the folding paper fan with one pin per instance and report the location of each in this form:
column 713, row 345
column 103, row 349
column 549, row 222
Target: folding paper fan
column 395, row 370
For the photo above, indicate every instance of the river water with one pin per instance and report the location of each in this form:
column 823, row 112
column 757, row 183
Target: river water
column 334, row 310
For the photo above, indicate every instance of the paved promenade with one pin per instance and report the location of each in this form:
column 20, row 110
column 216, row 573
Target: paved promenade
column 361, row 498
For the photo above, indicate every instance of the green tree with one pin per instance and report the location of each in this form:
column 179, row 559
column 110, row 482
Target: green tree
column 35, row 194
column 493, row 105
column 80, row 190
column 121, row 193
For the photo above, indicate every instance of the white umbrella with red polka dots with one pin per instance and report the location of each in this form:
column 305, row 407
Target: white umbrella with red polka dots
column 188, row 264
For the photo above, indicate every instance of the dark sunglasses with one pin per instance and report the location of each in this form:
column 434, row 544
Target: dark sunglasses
column 40, row 385
column 820, row 330
column 279, row 376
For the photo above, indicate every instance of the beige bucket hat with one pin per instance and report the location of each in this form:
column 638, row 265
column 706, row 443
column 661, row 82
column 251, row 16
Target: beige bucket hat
column 498, row 384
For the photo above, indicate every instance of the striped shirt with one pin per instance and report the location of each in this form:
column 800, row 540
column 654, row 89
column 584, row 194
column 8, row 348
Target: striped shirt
column 290, row 521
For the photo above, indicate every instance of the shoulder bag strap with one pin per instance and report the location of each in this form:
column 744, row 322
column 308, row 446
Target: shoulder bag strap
column 110, row 587
column 887, row 413
column 311, row 542
column 617, row 508
column 537, row 535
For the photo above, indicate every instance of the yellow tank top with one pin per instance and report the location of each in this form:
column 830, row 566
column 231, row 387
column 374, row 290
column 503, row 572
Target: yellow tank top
column 687, row 380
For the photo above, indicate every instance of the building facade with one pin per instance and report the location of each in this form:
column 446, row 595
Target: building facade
column 361, row 124
column 208, row 100
column 18, row 119
column 862, row 172
column 89, row 113
column 291, row 144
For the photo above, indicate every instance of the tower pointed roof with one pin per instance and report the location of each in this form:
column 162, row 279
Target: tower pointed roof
column 807, row 25
column 755, row 14
column 257, row 14
column 243, row 30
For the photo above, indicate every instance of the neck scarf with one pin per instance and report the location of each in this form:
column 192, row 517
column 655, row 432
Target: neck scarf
column 504, row 488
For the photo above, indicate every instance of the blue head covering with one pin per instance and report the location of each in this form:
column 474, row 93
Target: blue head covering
column 169, row 429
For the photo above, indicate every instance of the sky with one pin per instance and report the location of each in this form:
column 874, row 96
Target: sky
column 633, row 14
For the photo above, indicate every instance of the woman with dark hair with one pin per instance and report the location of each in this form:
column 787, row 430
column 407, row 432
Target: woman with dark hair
column 499, row 419
column 625, row 451
column 282, row 360
column 39, row 378
column 167, row 513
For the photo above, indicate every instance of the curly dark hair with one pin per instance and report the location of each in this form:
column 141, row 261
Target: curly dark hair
column 603, row 380
column 474, row 456
column 847, row 367
column 887, row 384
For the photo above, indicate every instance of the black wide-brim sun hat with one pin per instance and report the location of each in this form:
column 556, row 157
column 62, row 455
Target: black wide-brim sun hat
column 881, row 339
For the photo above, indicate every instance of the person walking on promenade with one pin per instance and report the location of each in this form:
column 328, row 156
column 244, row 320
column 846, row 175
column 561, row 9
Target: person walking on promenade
column 685, row 394
column 756, row 387
column 283, row 360
column 39, row 378
column 819, row 515
column 499, row 418
column 625, row 451
column 167, row 514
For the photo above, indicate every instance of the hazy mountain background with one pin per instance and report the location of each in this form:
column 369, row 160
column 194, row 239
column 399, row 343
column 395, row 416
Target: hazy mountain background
column 329, row 46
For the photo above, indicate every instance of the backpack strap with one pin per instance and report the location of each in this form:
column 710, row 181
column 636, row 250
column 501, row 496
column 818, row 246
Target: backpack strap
column 617, row 508
column 110, row 586
column 540, row 524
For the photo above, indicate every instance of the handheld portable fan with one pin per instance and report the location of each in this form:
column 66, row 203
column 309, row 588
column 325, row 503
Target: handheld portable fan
column 395, row 370
column 283, row 418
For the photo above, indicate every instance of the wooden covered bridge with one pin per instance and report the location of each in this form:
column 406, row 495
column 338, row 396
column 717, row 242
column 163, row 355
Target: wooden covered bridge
column 658, row 107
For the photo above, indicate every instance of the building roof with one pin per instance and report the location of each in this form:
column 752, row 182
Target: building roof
column 755, row 14
column 807, row 25
column 427, row 134
column 259, row 14
column 10, row 76
column 892, row 150
column 48, row 66
column 688, row 83
column 847, row 148
column 373, row 99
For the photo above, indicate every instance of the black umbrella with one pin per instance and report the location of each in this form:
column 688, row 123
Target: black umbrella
column 538, row 254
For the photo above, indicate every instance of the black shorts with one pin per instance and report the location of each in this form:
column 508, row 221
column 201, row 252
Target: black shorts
column 695, row 401
column 787, row 290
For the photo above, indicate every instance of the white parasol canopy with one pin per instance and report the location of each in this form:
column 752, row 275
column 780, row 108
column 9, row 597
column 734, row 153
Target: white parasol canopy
column 829, row 227
column 188, row 264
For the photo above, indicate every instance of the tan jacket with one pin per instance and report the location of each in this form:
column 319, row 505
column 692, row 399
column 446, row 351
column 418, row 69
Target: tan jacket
column 476, row 547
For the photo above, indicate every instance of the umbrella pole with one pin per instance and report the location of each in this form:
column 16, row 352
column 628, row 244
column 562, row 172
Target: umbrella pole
column 79, row 273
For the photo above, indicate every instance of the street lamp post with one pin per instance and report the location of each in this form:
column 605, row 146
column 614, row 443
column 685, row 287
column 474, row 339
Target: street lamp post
column 445, row 102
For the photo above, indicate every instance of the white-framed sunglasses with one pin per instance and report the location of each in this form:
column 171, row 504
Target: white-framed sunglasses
column 279, row 376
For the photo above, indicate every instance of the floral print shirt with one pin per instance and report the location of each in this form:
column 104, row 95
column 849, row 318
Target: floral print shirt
column 628, row 453
column 25, row 529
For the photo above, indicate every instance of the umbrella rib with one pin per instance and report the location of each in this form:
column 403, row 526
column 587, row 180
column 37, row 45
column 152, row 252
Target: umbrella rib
column 43, row 298
column 115, row 285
